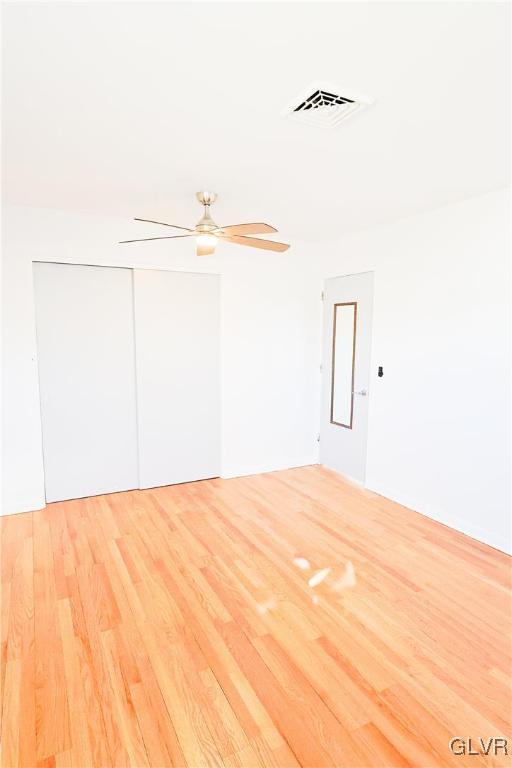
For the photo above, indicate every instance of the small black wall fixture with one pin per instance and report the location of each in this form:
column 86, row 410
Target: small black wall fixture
column 380, row 372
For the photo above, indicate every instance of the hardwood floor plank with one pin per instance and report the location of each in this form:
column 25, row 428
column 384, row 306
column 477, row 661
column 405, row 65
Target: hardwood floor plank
column 148, row 725
column 12, row 714
column 51, row 696
column 97, row 657
column 91, row 682
column 28, row 747
column 81, row 751
column 179, row 626
column 123, row 708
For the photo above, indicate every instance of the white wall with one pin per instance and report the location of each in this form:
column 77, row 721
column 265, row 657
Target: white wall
column 269, row 320
column 439, row 422
column 439, row 418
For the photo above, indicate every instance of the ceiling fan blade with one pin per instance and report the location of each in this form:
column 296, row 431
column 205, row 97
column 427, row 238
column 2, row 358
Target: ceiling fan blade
column 254, row 242
column 143, row 239
column 205, row 250
column 248, row 229
column 175, row 226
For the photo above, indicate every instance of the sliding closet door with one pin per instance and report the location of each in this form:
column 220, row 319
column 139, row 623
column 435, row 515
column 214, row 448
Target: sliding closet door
column 84, row 320
column 178, row 373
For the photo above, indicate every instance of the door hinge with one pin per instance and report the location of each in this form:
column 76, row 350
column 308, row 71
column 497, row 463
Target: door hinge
column 318, row 438
column 321, row 366
column 322, row 296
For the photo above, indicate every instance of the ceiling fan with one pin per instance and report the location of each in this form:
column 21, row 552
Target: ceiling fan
column 208, row 234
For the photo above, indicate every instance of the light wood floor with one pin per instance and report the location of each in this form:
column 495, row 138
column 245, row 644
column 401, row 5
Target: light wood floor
column 173, row 627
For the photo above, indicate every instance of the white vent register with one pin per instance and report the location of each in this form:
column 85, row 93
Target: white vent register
column 325, row 104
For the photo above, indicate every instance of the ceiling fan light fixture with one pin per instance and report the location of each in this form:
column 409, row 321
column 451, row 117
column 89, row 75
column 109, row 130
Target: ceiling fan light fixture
column 209, row 241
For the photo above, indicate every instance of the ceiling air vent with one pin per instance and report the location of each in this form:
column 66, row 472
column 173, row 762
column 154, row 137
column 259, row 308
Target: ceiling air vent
column 325, row 104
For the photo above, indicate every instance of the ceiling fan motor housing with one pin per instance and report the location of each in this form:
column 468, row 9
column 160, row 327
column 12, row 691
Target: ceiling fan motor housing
column 206, row 224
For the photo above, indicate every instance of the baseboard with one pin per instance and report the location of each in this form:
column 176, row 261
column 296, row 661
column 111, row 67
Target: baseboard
column 263, row 469
column 347, row 478
column 25, row 506
column 484, row 535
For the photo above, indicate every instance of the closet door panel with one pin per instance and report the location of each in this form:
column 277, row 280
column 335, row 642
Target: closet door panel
column 84, row 322
column 178, row 375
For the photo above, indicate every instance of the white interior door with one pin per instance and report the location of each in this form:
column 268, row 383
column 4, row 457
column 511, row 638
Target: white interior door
column 178, row 376
column 84, row 320
column 346, row 373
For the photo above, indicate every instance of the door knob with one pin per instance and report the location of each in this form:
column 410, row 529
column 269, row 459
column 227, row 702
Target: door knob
column 362, row 392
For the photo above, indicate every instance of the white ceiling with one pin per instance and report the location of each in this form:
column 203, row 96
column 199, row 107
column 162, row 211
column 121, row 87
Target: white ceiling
column 129, row 108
